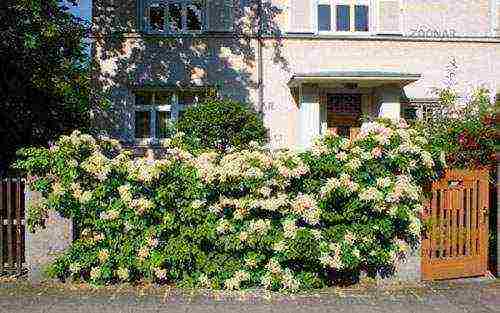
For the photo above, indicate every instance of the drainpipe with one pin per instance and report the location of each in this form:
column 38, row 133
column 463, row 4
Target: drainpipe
column 260, row 63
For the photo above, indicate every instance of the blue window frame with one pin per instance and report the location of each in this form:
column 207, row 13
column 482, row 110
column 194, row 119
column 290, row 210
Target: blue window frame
column 361, row 18
column 324, row 17
column 343, row 18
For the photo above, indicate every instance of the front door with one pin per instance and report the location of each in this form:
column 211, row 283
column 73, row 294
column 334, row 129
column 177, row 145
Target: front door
column 344, row 113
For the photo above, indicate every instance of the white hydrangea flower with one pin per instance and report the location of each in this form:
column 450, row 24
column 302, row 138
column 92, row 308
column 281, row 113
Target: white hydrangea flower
column 289, row 229
column 122, row 273
column 95, row 273
column 280, row 246
column 75, row 267
column 86, row 197
column 274, row 266
column 371, row 194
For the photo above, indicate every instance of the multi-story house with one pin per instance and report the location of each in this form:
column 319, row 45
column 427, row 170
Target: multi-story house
column 307, row 65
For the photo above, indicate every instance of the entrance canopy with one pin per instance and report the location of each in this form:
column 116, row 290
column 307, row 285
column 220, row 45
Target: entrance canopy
column 336, row 99
column 363, row 78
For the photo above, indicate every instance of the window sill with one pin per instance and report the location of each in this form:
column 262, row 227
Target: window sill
column 149, row 142
column 204, row 33
column 347, row 33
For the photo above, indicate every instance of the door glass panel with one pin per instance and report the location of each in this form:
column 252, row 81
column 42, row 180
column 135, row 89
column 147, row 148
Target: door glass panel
column 157, row 18
column 175, row 17
column 344, row 113
column 163, row 98
column 143, row 98
column 194, row 21
column 162, row 124
column 142, row 124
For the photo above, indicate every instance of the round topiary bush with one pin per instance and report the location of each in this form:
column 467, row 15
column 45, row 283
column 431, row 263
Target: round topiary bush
column 222, row 124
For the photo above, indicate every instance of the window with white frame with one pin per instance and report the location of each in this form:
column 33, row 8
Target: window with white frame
column 174, row 16
column 156, row 110
column 343, row 16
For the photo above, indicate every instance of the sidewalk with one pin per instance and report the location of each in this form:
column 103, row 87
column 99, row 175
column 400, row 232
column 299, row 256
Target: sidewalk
column 449, row 297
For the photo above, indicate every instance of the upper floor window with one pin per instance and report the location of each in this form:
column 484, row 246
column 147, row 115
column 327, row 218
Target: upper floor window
column 343, row 16
column 174, row 16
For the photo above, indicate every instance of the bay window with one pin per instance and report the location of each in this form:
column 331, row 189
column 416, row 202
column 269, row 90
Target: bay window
column 350, row 16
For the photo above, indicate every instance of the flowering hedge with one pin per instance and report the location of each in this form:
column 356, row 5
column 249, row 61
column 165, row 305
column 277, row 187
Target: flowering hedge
column 279, row 220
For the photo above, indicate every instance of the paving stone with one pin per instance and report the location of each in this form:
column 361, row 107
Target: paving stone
column 474, row 297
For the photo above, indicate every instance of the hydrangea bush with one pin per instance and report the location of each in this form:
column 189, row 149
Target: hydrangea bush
column 279, row 220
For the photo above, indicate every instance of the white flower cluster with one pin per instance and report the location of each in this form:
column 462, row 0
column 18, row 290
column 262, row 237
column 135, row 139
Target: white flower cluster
column 223, row 227
column 260, row 226
column 277, row 203
column 290, row 229
column 280, row 246
column 344, row 181
column 122, row 273
column 284, row 158
column 318, row 147
column 382, row 133
column 145, row 170
column 160, row 273
column 98, row 165
column 404, row 187
column 371, row 194
column 141, row 205
column 289, row 282
column 305, row 206
column 204, row 281
column 384, row 182
column 333, row 259
column 234, row 282
column 125, row 193
column 110, row 215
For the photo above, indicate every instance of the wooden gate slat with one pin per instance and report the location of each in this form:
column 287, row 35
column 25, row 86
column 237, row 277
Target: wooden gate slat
column 482, row 220
column 2, row 212
column 467, row 212
column 442, row 234
column 10, row 252
column 19, row 253
column 473, row 222
column 460, row 217
column 453, row 224
column 434, row 225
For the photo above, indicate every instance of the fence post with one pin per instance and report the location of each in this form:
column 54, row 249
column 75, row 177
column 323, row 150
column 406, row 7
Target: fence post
column 44, row 245
column 498, row 213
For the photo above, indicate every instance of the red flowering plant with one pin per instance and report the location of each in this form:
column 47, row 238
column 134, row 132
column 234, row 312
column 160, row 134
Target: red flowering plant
column 463, row 128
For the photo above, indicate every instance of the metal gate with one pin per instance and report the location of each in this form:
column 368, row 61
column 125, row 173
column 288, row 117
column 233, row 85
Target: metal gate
column 455, row 243
column 11, row 226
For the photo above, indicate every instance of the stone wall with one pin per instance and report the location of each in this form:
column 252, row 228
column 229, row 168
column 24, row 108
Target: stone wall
column 44, row 245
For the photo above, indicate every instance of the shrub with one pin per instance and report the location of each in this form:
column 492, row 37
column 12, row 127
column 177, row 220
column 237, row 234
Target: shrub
column 466, row 131
column 222, row 124
column 279, row 220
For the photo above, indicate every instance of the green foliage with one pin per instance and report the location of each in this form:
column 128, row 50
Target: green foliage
column 222, row 124
column 466, row 132
column 45, row 82
column 249, row 218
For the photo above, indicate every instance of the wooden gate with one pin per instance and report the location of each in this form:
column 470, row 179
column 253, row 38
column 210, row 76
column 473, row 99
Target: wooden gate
column 11, row 226
column 455, row 244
